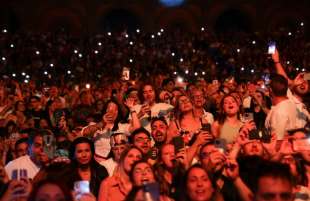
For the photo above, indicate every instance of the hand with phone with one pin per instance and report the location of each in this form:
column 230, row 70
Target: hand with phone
column 203, row 137
column 17, row 189
column 231, row 169
column 145, row 109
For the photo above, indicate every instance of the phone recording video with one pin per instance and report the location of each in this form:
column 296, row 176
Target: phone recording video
column 81, row 187
column 272, row 47
column 178, row 143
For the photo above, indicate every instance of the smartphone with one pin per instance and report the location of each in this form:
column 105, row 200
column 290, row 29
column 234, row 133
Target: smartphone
column 206, row 127
column 301, row 145
column 152, row 154
column 271, row 47
column 248, row 116
column 57, row 115
column 81, row 187
column 178, row 143
column 49, row 145
column 125, row 73
column 220, row 144
column 307, row 76
column 151, row 191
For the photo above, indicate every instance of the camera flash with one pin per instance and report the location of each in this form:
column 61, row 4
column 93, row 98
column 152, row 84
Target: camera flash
column 12, row 45
column 186, row 72
column 99, row 43
column 87, row 86
column 252, row 71
column 45, row 72
column 196, row 73
column 202, row 29
column 80, row 55
column 152, row 36
column 13, row 75
column 173, row 54
column 109, row 34
column 203, row 73
column 161, row 30
column 51, row 65
column 37, row 52
column 69, row 72
column 253, row 42
column 238, row 50
column 174, row 72
column 96, row 52
column 76, row 51
column 138, row 30
column 130, row 43
column 3, row 58
column 242, row 68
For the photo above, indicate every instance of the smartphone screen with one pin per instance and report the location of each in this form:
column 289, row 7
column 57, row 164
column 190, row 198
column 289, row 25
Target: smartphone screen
column 178, row 143
column 81, row 187
column 271, row 47
column 125, row 74
column 248, row 116
column 151, row 191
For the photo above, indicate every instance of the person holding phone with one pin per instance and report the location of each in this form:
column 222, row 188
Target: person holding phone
column 33, row 161
column 84, row 166
column 297, row 91
column 228, row 124
column 150, row 107
column 116, row 187
column 170, row 168
column 197, row 185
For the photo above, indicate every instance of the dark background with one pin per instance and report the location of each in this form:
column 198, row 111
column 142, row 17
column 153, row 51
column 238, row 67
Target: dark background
column 93, row 16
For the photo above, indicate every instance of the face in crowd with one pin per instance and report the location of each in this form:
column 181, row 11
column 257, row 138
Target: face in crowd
column 198, row 185
column 274, row 189
column 185, row 104
column 83, row 153
column 230, row 106
column 198, row 98
column 253, row 148
column 119, row 145
column 142, row 173
column 159, row 131
column 211, row 158
column 148, row 94
column 142, row 141
column 168, row 155
column 131, row 157
column 37, row 148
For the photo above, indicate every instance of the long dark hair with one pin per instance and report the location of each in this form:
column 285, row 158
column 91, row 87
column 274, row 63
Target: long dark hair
column 77, row 141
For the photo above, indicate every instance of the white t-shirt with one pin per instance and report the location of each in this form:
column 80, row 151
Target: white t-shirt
column 102, row 139
column 208, row 116
column 22, row 163
column 157, row 110
column 302, row 113
column 282, row 117
column 110, row 165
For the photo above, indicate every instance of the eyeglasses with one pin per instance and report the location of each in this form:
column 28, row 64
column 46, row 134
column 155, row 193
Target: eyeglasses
column 141, row 139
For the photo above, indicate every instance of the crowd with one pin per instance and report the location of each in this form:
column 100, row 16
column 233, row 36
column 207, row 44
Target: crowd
column 199, row 117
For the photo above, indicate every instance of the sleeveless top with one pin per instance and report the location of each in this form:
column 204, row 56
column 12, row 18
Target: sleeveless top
column 229, row 132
